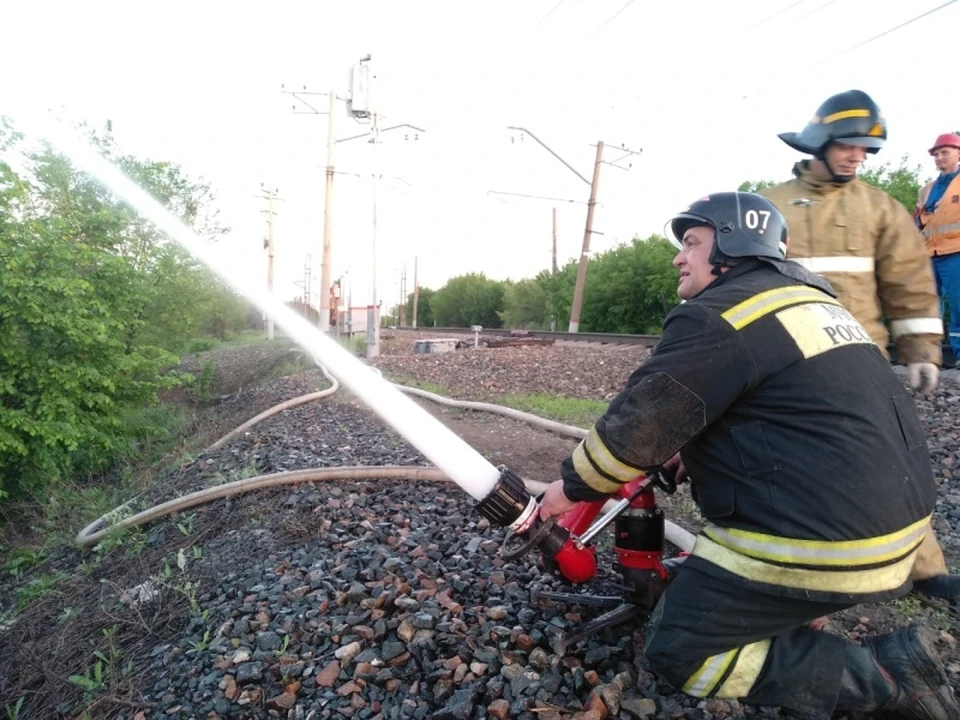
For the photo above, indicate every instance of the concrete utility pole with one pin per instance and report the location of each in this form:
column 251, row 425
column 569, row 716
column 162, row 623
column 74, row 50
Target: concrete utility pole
column 270, row 195
column 591, row 205
column 359, row 107
column 585, row 250
column 327, row 221
column 554, row 241
column 325, row 271
column 402, row 307
column 416, row 292
column 307, row 270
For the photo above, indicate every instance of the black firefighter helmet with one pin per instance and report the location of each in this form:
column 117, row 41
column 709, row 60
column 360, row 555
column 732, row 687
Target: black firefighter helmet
column 850, row 117
column 747, row 225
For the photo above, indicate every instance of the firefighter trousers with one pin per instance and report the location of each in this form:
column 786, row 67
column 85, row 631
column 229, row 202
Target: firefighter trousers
column 930, row 561
column 718, row 638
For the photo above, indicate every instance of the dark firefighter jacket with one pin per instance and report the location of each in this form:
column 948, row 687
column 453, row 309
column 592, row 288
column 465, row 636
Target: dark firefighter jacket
column 804, row 449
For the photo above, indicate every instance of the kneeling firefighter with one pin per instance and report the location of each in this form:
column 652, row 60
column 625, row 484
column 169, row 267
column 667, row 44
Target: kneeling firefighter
column 806, row 457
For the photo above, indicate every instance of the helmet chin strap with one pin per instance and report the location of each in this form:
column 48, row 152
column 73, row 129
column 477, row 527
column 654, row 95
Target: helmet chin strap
column 834, row 178
column 719, row 261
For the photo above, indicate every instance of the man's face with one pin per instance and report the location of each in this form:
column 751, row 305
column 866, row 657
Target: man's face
column 845, row 159
column 947, row 159
column 693, row 261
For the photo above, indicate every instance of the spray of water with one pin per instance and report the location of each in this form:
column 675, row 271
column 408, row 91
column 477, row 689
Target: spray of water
column 460, row 462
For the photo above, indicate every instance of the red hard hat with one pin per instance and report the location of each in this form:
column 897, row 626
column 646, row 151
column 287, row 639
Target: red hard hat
column 946, row 140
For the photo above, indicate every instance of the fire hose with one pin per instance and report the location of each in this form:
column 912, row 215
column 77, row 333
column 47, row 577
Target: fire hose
column 116, row 519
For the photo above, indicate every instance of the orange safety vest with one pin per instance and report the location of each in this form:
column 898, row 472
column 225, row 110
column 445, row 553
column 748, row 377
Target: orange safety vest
column 941, row 228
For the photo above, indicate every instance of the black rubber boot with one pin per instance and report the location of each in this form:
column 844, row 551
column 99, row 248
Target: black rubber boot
column 898, row 672
column 946, row 587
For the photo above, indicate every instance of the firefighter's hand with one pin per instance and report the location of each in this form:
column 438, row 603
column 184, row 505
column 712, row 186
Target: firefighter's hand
column 675, row 463
column 923, row 376
column 554, row 502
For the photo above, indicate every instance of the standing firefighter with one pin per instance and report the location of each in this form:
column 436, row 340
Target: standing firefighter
column 866, row 244
column 938, row 217
column 807, row 458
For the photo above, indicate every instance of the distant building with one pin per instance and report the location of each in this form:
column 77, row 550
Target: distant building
column 352, row 320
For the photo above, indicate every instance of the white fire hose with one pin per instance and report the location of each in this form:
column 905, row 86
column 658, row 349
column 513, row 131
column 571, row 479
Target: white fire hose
column 115, row 519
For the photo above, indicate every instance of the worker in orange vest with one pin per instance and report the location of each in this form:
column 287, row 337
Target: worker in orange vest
column 938, row 217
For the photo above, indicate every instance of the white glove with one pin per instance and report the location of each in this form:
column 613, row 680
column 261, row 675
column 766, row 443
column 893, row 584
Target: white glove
column 923, row 376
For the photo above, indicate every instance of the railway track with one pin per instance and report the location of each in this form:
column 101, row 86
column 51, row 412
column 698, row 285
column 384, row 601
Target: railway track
column 607, row 338
column 586, row 337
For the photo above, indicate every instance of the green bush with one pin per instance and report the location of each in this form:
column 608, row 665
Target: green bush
column 94, row 302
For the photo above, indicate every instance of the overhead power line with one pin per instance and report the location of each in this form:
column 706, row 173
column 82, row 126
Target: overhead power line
column 614, row 16
column 893, row 29
column 815, row 10
column 776, row 14
column 859, row 45
column 551, row 11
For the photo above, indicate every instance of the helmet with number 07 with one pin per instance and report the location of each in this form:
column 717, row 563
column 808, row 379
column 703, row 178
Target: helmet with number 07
column 747, row 225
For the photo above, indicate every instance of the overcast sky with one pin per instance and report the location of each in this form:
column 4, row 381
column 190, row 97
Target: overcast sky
column 700, row 87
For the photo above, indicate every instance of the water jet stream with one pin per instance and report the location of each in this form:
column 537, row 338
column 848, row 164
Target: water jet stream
column 458, row 460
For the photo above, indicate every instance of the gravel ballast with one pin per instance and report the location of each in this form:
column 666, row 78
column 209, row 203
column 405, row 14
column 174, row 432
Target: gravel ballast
column 389, row 599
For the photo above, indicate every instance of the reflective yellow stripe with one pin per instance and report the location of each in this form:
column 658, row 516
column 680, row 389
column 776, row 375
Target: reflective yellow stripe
column 868, row 551
column 750, row 662
column 605, row 461
column 706, row 678
column 764, row 303
column 889, row 577
column 588, row 473
column 844, row 114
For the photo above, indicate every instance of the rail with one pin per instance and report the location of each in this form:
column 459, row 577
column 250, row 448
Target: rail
column 611, row 338
column 607, row 338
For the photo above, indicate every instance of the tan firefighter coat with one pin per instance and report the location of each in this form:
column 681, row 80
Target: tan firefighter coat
column 866, row 244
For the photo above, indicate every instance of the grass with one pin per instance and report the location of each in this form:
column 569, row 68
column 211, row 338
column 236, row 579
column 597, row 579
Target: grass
column 356, row 343
column 245, row 337
column 909, row 606
column 571, row 411
column 294, row 365
column 421, row 385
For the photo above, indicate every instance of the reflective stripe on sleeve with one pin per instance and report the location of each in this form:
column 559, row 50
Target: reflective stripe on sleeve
column 837, row 264
column 916, row 326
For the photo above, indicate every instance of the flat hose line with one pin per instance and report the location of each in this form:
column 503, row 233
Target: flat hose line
column 114, row 520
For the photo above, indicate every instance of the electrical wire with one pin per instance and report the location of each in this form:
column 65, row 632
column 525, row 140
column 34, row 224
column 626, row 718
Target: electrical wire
column 887, row 32
column 551, row 11
column 613, row 17
column 816, row 10
column 859, row 44
column 776, row 15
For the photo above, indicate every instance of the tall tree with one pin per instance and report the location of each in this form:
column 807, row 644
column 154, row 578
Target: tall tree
column 526, row 305
column 756, row 185
column 633, row 288
column 424, row 307
column 903, row 182
column 472, row 299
